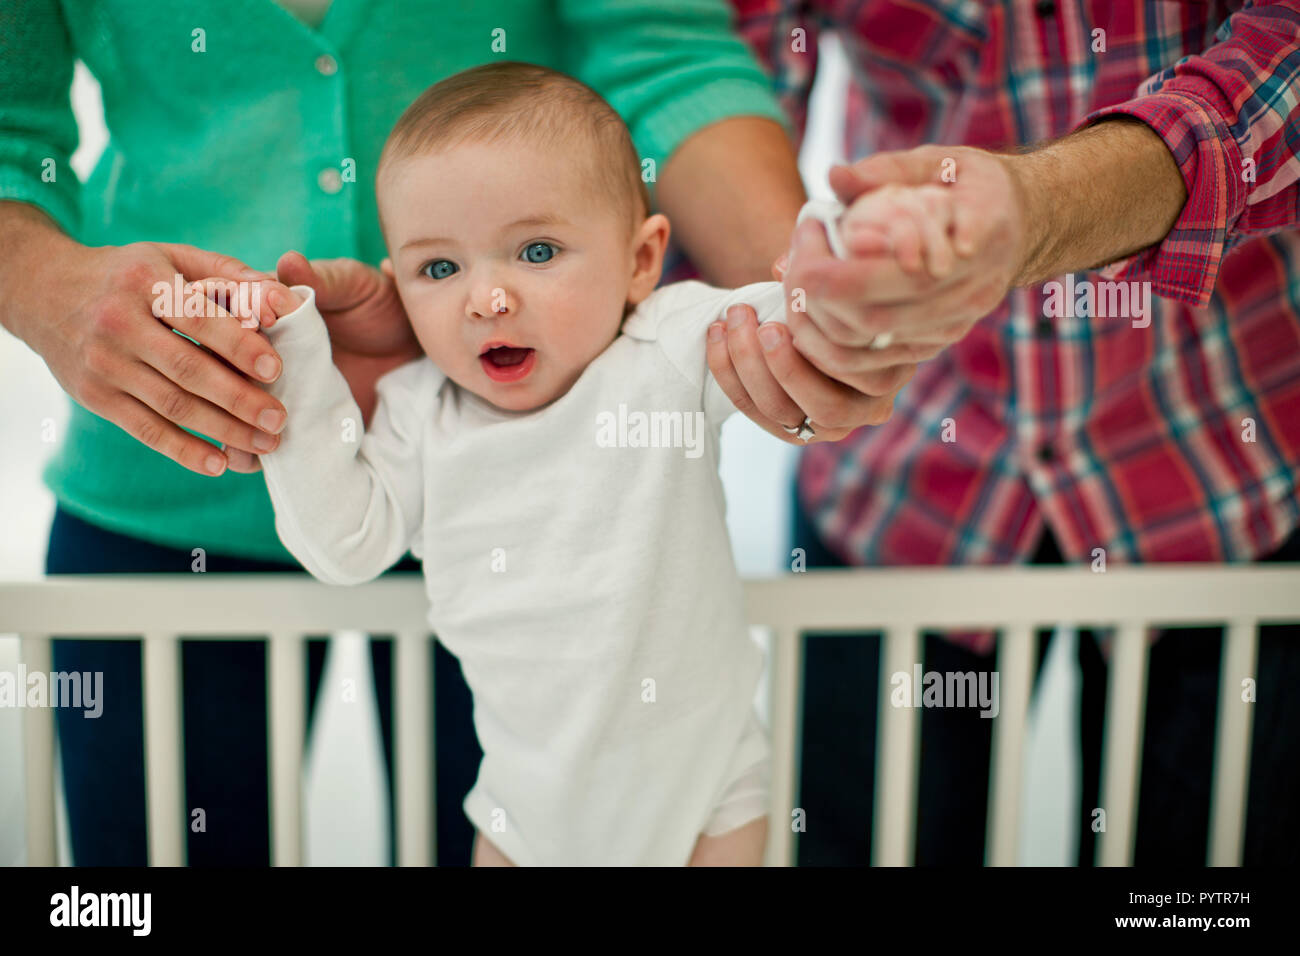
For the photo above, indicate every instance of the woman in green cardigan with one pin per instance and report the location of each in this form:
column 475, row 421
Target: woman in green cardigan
column 240, row 130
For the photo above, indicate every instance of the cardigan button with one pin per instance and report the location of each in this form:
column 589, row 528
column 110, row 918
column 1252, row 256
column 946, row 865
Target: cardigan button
column 329, row 180
column 326, row 65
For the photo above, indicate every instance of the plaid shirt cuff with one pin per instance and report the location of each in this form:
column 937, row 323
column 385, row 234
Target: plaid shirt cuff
column 1185, row 264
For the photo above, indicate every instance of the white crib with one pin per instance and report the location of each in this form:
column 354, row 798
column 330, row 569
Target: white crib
column 900, row 603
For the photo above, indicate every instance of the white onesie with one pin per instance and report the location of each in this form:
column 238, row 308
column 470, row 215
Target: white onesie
column 576, row 560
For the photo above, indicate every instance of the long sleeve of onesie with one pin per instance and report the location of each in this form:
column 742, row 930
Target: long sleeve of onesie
column 680, row 321
column 348, row 499
column 684, row 310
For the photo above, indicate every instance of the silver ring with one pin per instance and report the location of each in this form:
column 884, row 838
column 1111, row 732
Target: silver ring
column 804, row 430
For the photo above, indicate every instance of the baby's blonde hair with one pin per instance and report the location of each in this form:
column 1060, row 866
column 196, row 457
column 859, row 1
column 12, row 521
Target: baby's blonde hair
column 506, row 99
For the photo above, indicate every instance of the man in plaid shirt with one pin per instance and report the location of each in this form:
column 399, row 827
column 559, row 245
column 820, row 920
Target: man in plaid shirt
column 1041, row 425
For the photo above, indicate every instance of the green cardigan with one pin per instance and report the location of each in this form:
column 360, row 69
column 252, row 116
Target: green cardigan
column 239, row 149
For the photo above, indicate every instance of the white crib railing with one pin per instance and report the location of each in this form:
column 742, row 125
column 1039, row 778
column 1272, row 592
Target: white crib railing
column 898, row 602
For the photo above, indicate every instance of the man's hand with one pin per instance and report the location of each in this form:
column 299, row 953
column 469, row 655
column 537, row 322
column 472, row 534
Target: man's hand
column 972, row 200
column 370, row 334
column 1089, row 199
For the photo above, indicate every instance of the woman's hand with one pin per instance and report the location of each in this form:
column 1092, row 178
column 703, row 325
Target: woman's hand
column 107, row 336
column 775, row 386
column 370, row 334
column 778, row 374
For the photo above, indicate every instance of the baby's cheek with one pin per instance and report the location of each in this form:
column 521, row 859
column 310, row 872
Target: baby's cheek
column 437, row 341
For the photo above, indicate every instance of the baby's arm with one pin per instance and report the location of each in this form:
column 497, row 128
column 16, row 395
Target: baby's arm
column 348, row 500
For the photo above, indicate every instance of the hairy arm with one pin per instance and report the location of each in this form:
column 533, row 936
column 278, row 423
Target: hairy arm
column 1094, row 197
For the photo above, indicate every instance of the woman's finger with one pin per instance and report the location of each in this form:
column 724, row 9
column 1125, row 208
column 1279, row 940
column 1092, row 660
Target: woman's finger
column 241, row 461
column 745, row 376
column 220, row 331
column 243, row 302
column 180, row 404
column 828, row 402
column 197, row 379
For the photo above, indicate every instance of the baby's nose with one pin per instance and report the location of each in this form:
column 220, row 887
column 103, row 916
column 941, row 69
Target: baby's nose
column 492, row 301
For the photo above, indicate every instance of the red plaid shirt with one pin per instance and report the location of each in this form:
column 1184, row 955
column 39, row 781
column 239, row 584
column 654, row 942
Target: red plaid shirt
column 1175, row 442
column 1133, row 440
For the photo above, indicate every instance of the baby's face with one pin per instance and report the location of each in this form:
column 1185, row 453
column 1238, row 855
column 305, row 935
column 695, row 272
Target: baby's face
column 513, row 273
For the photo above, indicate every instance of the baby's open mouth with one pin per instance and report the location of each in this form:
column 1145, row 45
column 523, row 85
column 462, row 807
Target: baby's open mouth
column 503, row 355
column 507, row 363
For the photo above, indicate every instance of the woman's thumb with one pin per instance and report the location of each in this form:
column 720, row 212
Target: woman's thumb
column 294, row 269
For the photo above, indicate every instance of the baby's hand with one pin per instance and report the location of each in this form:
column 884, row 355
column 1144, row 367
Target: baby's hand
column 912, row 222
column 253, row 303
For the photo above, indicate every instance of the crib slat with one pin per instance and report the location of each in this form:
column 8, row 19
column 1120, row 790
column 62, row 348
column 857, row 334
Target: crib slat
column 1016, row 653
column 164, row 756
column 413, row 749
column 786, row 679
column 893, row 841
column 1232, row 746
column 286, row 702
column 38, row 759
column 1121, row 767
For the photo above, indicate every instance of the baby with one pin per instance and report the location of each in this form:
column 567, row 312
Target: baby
column 553, row 461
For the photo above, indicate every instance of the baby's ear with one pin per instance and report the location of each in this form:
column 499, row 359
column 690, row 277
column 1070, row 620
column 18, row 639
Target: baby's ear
column 386, row 267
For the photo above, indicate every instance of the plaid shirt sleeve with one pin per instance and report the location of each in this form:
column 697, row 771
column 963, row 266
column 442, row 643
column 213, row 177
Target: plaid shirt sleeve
column 784, row 37
column 1229, row 117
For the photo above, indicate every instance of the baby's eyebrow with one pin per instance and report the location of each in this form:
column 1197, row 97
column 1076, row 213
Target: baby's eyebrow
column 541, row 219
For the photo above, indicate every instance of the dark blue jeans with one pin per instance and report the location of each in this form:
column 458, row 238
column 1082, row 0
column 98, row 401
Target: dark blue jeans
column 225, row 721
column 841, row 678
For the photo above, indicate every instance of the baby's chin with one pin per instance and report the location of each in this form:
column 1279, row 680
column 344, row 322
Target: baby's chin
column 520, row 397
column 515, row 400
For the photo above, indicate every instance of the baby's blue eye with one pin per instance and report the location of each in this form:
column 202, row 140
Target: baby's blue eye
column 439, row 269
column 539, row 252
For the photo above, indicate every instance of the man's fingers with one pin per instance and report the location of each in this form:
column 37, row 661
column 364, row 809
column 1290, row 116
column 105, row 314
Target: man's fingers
column 838, row 359
column 907, row 168
column 870, row 280
column 933, row 215
column 968, row 227
column 906, row 236
column 868, row 239
column 868, row 370
column 821, row 275
column 830, row 320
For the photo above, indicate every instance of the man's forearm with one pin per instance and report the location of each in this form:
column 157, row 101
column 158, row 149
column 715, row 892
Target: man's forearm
column 1094, row 197
column 732, row 193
